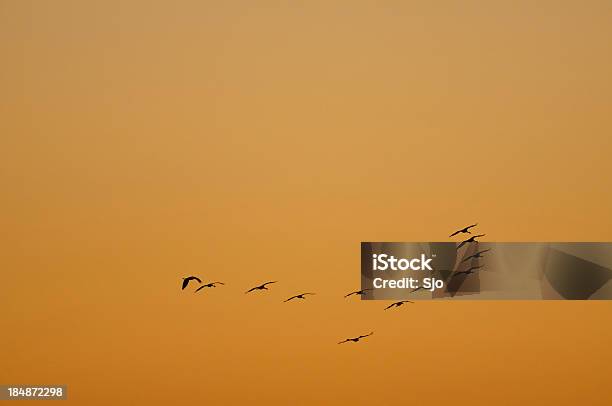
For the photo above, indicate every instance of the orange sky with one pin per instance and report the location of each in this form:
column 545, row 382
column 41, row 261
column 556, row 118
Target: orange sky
column 144, row 141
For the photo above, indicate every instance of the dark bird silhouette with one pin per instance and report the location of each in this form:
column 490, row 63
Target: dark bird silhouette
column 469, row 240
column 468, row 271
column 300, row 296
column 209, row 285
column 260, row 287
column 398, row 304
column 356, row 338
column 189, row 279
column 417, row 289
column 465, row 230
column 358, row 292
column 476, row 255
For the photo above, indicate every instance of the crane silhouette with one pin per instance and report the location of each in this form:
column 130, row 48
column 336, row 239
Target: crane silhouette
column 260, row 287
column 468, row 271
column 358, row 292
column 209, row 285
column 189, row 279
column 465, row 230
column 476, row 255
column 356, row 338
column 469, row 240
column 398, row 304
column 300, row 296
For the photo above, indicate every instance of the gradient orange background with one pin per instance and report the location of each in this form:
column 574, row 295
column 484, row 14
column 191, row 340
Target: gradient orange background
column 249, row 141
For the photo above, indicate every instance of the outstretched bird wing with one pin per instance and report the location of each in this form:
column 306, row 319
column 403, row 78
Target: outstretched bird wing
column 390, row 306
column 292, row 297
column 267, row 283
column 252, row 289
column 471, row 239
column 342, row 342
column 462, row 243
column 463, row 230
column 188, row 279
column 367, row 335
column 470, row 257
column 358, row 292
column 198, row 289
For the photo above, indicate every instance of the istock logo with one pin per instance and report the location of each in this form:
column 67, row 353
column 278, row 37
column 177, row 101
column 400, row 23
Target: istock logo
column 382, row 262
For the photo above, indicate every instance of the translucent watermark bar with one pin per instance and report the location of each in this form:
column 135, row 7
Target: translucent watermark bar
column 474, row 270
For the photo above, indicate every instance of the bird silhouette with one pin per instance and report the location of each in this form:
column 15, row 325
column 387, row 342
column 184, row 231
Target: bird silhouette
column 398, row 304
column 476, row 255
column 260, row 287
column 189, row 279
column 465, row 230
column 358, row 292
column 417, row 289
column 471, row 239
column 300, row 296
column 356, row 338
column 468, row 271
column 209, row 285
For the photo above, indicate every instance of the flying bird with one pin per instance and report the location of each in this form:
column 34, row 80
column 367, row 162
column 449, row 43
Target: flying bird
column 209, row 285
column 300, row 296
column 358, row 292
column 468, row 271
column 465, row 230
column 476, row 255
column 356, row 338
column 398, row 304
column 260, row 287
column 417, row 289
column 471, row 239
column 189, row 279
